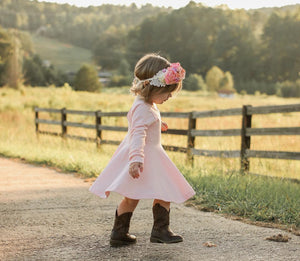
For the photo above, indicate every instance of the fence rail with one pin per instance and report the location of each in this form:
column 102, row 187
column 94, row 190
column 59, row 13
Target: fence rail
column 246, row 131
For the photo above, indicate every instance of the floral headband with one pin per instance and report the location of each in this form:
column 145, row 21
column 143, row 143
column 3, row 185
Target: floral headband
column 173, row 74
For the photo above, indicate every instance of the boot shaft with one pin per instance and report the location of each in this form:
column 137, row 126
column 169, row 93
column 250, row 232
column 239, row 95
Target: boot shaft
column 122, row 222
column 161, row 216
column 161, row 233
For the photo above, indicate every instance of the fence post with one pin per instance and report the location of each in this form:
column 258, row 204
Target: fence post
column 246, row 140
column 191, row 139
column 36, row 120
column 63, row 120
column 98, row 131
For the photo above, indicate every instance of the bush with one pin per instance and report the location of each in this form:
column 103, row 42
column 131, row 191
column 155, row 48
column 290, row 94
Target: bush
column 217, row 80
column 194, row 82
column 243, row 92
column 87, row 79
column 213, row 78
column 253, row 86
column 289, row 89
column 227, row 83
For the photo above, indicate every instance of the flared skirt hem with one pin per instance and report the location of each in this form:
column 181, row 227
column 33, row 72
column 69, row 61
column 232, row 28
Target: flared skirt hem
column 149, row 196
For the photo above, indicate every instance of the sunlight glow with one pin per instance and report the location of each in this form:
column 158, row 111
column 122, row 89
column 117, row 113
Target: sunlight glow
column 233, row 4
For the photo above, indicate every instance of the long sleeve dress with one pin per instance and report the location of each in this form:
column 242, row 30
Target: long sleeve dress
column 160, row 178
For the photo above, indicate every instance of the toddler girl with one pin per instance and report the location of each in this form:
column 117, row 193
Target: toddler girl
column 140, row 168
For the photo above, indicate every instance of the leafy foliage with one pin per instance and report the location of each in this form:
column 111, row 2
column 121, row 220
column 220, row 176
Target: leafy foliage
column 201, row 37
column 289, row 89
column 253, row 86
column 281, row 50
column 36, row 73
column 226, row 83
column 256, row 46
column 194, row 82
column 79, row 26
column 87, row 79
column 5, row 51
column 213, row 78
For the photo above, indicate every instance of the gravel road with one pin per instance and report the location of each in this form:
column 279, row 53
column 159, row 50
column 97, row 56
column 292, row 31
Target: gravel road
column 47, row 215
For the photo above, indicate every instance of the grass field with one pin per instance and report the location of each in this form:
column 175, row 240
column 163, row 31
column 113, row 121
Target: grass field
column 63, row 56
column 219, row 186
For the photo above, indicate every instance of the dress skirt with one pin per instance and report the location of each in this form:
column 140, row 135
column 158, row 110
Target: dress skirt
column 160, row 178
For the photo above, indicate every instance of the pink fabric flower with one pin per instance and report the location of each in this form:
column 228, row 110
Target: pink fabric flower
column 174, row 74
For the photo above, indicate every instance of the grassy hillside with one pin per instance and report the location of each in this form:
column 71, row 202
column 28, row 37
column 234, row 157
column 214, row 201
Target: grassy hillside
column 219, row 187
column 63, row 56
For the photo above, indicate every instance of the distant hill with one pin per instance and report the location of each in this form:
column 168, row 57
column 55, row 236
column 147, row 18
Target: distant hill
column 64, row 56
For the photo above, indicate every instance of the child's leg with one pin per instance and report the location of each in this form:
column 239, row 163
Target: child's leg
column 161, row 233
column 127, row 205
column 164, row 204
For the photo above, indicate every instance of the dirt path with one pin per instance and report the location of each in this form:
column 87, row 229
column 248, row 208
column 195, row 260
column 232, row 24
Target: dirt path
column 46, row 215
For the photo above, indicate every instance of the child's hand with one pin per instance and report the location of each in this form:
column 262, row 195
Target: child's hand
column 164, row 126
column 135, row 168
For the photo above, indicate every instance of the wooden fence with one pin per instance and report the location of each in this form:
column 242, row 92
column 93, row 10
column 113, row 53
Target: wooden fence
column 245, row 132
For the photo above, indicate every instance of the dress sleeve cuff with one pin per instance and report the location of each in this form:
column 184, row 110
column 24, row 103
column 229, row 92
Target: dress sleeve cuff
column 136, row 159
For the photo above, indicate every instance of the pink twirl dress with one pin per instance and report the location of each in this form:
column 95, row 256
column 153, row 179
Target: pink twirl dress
column 160, row 178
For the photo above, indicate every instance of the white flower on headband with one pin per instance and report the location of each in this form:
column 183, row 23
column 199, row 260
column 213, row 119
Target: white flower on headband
column 171, row 75
column 158, row 79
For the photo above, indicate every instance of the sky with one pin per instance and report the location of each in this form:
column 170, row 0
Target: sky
column 233, row 4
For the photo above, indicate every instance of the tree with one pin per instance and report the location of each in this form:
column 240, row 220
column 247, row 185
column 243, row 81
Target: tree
column 87, row 79
column 6, row 48
column 213, row 78
column 108, row 49
column 281, row 47
column 33, row 72
column 202, row 57
column 124, row 68
column 194, row 82
column 235, row 50
column 14, row 75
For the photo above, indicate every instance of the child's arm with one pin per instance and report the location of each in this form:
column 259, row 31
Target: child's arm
column 142, row 118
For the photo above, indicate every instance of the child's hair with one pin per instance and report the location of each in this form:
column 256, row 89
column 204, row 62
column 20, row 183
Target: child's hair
column 146, row 68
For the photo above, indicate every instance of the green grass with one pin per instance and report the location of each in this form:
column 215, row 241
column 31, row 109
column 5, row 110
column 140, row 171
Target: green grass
column 63, row 56
column 217, row 185
column 257, row 198
column 74, row 156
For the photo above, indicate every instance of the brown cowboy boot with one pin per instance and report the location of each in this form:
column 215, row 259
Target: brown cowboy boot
column 119, row 234
column 161, row 233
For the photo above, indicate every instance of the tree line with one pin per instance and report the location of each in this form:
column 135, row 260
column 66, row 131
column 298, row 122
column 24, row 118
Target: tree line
column 256, row 50
column 76, row 25
column 202, row 37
